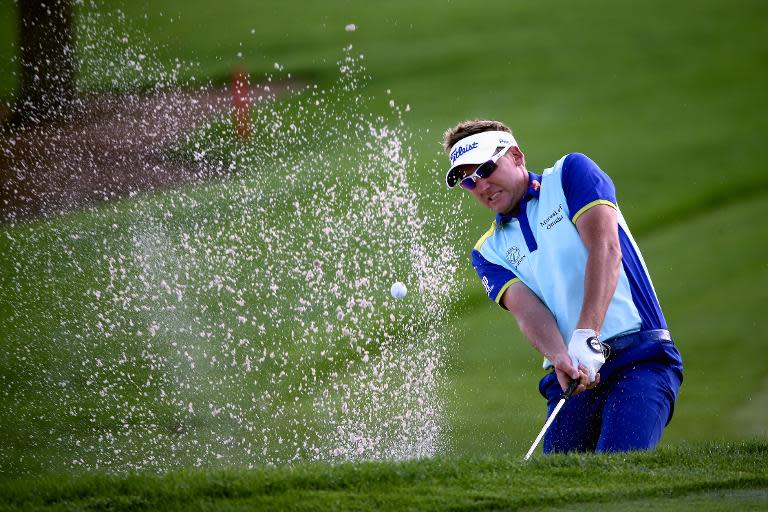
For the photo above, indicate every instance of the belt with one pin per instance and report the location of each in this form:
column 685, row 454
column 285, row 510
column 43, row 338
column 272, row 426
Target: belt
column 620, row 343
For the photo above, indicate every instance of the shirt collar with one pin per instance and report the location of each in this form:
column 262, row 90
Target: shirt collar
column 534, row 185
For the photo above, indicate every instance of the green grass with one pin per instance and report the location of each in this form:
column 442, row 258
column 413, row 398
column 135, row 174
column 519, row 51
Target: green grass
column 694, row 477
column 667, row 97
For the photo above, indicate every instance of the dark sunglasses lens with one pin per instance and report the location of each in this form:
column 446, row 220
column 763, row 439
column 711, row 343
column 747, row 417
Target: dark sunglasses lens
column 486, row 169
column 467, row 183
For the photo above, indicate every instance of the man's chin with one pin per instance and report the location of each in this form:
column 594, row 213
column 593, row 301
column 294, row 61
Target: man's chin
column 499, row 205
column 501, row 209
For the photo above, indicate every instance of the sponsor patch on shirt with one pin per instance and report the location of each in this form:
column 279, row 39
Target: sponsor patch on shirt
column 515, row 256
column 487, row 285
column 553, row 218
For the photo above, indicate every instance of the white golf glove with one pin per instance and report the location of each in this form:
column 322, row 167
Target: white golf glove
column 586, row 350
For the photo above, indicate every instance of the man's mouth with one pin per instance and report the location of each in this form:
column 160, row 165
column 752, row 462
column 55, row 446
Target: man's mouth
column 493, row 196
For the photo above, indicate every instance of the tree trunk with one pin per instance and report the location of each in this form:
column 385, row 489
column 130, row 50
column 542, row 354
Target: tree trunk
column 46, row 53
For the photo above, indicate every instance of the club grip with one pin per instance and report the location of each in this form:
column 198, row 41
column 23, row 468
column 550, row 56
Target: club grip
column 571, row 388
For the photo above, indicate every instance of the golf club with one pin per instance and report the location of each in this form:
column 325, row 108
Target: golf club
column 566, row 395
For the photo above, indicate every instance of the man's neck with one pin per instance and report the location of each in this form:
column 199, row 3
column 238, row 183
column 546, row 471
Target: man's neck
column 521, row 193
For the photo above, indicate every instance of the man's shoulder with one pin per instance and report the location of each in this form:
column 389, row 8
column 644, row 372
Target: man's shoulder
column 570, row 169
column 578, row 160
column 568, row 161
column 579, row 164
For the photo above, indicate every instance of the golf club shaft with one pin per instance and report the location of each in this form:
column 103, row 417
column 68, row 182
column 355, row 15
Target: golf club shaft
column 546, row 426
column 571, row 388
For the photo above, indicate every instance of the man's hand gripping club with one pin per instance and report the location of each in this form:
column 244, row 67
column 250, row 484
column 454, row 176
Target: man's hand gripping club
column 585, row 358
column 588, row 356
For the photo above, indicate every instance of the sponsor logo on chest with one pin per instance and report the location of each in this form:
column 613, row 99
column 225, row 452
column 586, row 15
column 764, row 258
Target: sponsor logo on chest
column 515, row 256
column 553, row 218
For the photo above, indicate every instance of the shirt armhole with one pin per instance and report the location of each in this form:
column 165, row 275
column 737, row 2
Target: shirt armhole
column 503, row 289
column 586, row 207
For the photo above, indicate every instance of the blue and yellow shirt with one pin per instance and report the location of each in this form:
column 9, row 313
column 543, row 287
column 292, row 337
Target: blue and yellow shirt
column 540, row 246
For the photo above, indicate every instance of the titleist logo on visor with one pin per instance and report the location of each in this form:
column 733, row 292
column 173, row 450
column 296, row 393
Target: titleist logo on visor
column 456, row 153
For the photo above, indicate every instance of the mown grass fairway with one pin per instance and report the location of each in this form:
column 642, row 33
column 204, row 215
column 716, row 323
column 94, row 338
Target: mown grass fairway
column 693, row 477
column 667, row 97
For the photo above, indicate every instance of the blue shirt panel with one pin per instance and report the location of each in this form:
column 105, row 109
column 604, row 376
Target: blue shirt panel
column 493, row 276
column 643, row 293
column 584, row 182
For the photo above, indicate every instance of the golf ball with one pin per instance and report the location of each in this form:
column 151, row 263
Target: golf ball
column 398, row 290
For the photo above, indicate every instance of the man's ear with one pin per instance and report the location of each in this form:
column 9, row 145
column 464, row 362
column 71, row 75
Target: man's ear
column 517, row 156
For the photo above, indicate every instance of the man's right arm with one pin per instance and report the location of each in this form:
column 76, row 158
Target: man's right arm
column 539, row 326
column 534, row 318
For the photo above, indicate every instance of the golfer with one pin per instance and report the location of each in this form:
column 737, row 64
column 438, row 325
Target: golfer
column 560, row 258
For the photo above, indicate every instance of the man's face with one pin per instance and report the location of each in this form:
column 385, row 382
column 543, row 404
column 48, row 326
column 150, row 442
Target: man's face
column 502, row 190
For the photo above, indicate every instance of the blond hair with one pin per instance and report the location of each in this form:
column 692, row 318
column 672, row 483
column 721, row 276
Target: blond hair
column 471, row 127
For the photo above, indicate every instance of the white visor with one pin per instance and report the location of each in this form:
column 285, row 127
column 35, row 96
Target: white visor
column 475, row 149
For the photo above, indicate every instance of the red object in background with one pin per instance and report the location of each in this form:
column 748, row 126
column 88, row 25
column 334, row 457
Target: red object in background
column 242, row 102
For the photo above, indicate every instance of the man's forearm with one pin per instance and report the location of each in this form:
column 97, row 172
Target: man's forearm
column 544, row 338
column 600, row 280
column 598, row 229
column 536, row 323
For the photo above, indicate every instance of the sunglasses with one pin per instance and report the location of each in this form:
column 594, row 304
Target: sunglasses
column 482, row 171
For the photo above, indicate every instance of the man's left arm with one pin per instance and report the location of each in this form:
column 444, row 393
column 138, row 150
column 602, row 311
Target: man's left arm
column 598, row 229
column 592, row 204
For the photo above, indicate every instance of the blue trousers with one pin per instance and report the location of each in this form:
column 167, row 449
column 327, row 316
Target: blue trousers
column 628, row 410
